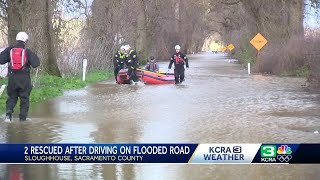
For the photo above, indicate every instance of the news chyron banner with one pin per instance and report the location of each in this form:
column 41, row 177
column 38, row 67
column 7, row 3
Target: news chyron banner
column 160, row 153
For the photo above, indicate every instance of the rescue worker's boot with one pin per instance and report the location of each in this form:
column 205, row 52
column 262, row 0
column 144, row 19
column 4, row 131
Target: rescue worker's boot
column 181, row 75
column 22, row 118
column 8, row 117
column 181, row 80
column 177, row 79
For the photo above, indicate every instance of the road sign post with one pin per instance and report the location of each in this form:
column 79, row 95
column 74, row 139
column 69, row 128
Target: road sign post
column 85, row 62
column 230, row 47
column 224, row 49
column 2, row 89
column 258, row 42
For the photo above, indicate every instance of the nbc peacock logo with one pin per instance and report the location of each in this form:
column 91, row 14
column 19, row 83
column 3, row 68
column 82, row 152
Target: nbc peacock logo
column 284, row 149
column 284, row 153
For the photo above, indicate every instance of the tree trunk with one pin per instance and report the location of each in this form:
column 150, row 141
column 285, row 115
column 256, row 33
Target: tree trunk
column 52, row 65
column 296, row 13
column 35, row 18
column 182, row 40
column 142, row 32
column 14, row 20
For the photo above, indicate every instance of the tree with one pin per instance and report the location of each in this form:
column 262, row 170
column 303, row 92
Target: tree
column 14, row 11
column 35, row 17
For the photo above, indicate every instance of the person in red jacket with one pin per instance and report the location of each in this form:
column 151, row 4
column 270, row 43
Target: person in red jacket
column 20, row 60
column 152, row 65
column 179, row 59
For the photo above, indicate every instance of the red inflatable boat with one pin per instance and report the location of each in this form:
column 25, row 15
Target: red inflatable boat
column 157, row 78
column 123, row 76
column 147, row 77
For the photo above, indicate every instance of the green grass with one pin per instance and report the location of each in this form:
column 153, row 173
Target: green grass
column 48, row 86
column 303, row 71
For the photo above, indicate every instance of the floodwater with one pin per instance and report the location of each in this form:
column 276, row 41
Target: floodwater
column 218, row 103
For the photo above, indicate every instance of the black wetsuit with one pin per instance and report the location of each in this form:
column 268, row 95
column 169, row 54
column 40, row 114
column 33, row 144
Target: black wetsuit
column 118, row 63
column 19, row 82
column 179, row 59
column 132, row 63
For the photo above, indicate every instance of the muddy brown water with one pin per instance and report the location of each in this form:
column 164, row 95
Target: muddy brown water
column 218, row 103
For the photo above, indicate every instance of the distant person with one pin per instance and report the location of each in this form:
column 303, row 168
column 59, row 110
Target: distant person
column 179, row 60
column 118, row 61
column 20, row 61
column 152, row 65
column 132, row 63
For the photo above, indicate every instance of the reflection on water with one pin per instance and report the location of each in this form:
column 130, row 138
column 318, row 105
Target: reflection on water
column 218, row 103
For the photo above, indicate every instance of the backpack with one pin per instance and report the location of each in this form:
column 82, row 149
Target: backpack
column 178, row 59
column 18, row 58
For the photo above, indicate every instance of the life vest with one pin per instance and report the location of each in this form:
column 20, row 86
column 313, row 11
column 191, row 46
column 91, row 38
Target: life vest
column 131, row 58
column 18, row 58
column 121, row 57
column 178, row 59
column 154, row 67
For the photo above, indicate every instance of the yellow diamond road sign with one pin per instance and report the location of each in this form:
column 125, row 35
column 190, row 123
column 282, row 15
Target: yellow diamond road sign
column 224, row 49
column 230, row 47
column 258, row 41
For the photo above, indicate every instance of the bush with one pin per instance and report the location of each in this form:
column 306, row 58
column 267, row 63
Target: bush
column 303, row 71
column 246, row 54
column 312, row 55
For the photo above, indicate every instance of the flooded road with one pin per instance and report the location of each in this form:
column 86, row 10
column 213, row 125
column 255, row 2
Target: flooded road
column 218, row 103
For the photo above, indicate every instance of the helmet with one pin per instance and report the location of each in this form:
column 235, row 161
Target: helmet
column 122, row 48
column 127, row 47
column 22, row 36
column 177, row 47
column 151, row 57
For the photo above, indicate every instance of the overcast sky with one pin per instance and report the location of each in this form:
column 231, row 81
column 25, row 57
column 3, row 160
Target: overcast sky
column 312, row 19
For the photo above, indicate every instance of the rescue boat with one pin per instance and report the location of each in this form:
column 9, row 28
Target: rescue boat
column 149, row 77
column 123, row 76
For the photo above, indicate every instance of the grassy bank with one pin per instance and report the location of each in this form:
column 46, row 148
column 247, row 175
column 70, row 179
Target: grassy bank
column 47, row 86
column 303, row 71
